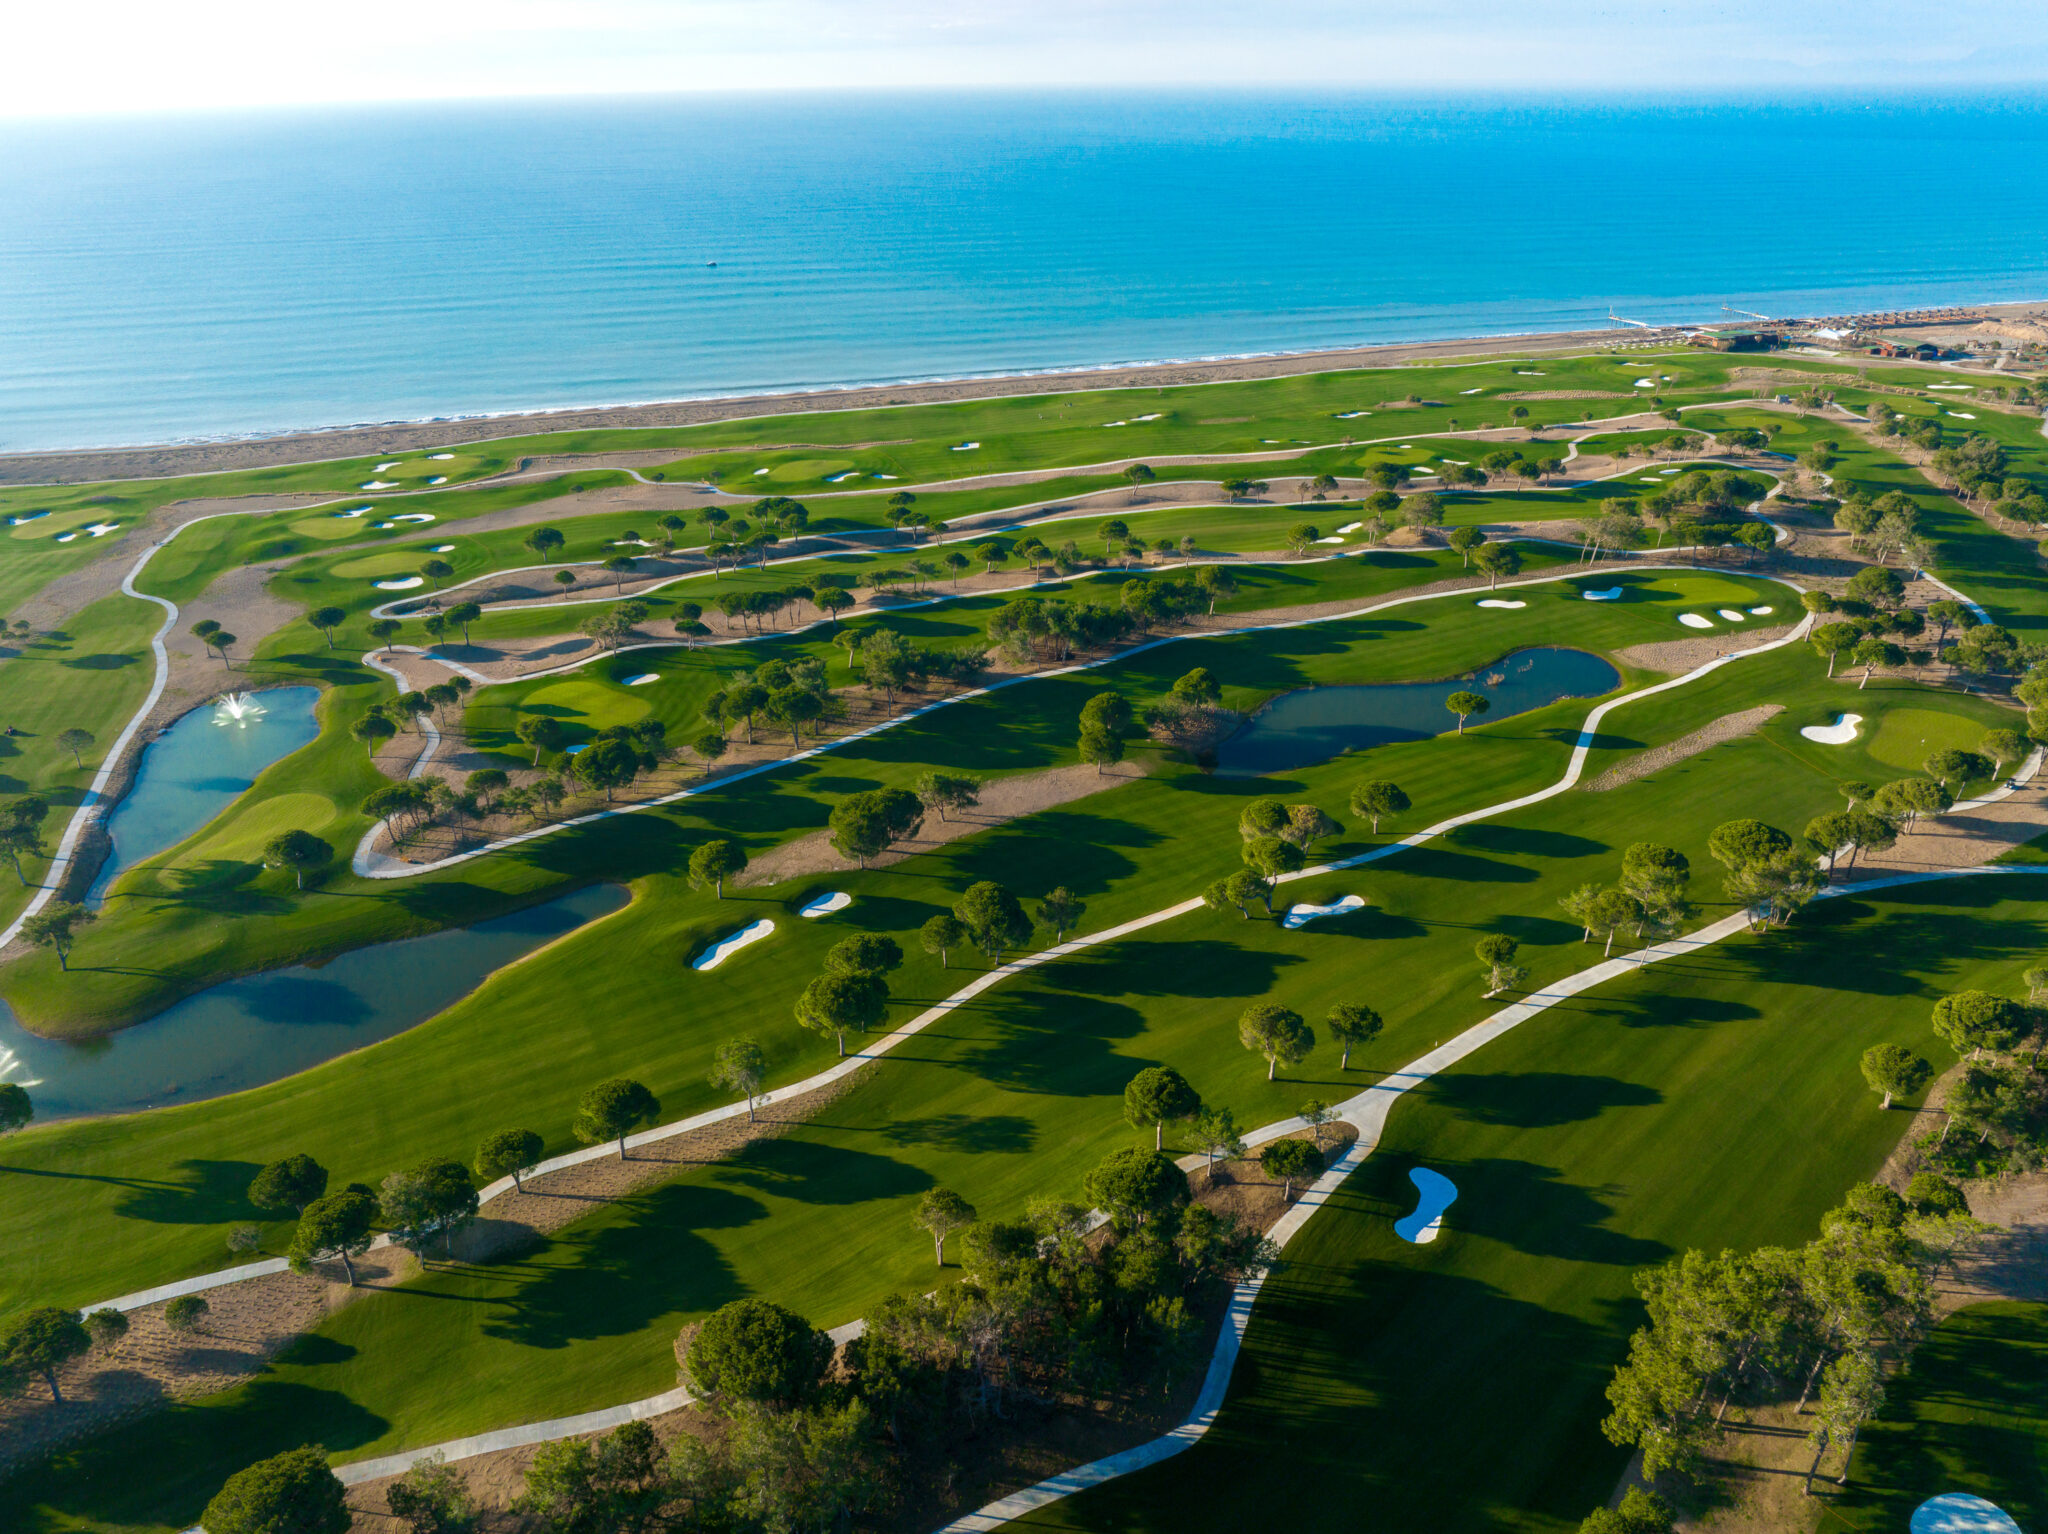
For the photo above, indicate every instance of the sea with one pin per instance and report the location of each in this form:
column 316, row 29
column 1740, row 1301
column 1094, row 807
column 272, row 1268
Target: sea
column 219, row 275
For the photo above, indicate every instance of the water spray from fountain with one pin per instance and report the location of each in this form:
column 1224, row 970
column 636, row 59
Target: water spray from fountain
column 239, row 709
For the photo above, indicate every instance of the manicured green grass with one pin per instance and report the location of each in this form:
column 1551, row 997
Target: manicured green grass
column 1971, row 1416
column 1011, row 1096
column 1711, row 1102
column 1125, row 859
column 91, row 674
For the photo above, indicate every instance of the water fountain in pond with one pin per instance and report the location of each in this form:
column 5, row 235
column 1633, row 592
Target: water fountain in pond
column 239, row 709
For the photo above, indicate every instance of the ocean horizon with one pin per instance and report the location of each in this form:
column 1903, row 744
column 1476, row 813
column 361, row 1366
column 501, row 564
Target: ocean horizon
column 207, row 277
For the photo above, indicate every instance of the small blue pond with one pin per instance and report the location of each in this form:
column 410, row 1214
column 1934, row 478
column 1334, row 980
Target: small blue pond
column 1314, row 724
column 197, row 768
column 243, row 1033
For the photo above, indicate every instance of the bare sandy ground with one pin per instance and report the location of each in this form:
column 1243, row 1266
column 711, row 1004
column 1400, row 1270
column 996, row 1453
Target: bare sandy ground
column 398, row 437
column 1728, row 727
column 247, row 1323
column 1028, row 1450
column 1002, row 800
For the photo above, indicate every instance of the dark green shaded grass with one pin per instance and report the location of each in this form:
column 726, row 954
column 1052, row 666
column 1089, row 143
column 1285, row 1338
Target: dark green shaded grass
column 1971, row 1416
column 1710, row 1102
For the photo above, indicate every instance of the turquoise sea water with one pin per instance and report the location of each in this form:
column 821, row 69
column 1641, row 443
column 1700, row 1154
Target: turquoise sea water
column 218, row 275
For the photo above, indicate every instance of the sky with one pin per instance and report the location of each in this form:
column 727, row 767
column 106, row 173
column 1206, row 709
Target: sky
column 101, row 57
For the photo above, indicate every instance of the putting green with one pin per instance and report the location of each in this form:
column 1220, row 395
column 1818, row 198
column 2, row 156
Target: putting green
column 387, row 562
column 583, row 701
column 329, row 528
column 1906, row 737
column 243, row 835
column 811, row 468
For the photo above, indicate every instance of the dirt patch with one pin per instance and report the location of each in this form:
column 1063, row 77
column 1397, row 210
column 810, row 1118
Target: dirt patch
column 1002, row 800
column 1727, row 727
column 152, row 1366
column 1035, row 1440
column 248, row 1323
column 1675, row 657
column 1966, row 840
column 400, row 437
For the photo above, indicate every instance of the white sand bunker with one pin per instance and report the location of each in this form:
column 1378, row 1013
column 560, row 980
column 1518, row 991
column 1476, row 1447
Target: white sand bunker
column 1962, row 415
column 1116, row 423
column 1761, row 612
column 840, row 479
column 1329, row 540
column 101, row 529
column 726, row 947
column 1471, row 391
column 1611, row 594
column 826, row 904
column 1527, row 373
column 1302, row 915
column 354, row 511
column 1350, row 527
column 1958, row 1512
column 439, row 457
column 1154, row 416
column 1351, row 415
column 965, row 447
column 384, row 466
column 643, row 679
column 442, row 548
column 1730, row 614
column 405, row 583
column 1951, row 386
column 28, row 516
column 438, row 479
column 1646, row 383
column 1840, row 733
column 1500, row 602
column 759, row 472
column 1436, row 1193
column 1671, row 471
column 378, row 484
column 415, row 516
column 1695, row 621
column 66, row 537
column 881, row 476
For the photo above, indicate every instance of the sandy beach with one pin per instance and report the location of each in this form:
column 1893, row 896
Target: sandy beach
column 148, row 462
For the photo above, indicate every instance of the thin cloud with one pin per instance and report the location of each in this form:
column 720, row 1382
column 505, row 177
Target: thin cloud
column 128, row 55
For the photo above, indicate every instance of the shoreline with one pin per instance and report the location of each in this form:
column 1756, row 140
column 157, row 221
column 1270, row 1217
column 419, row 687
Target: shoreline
column 194, row 457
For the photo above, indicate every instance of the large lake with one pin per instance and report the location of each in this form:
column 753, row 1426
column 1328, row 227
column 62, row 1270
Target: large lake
column 257, row 1029
column 222, row 273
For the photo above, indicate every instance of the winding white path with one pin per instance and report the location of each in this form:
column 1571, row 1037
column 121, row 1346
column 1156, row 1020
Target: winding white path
column 1366, row 1112
column 370, row 864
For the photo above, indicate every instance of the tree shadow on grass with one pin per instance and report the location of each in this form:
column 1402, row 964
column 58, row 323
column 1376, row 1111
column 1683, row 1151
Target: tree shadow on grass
column 985, row 1134
column 164, row 1468
column 199, row 1193
column 1537, row 1099
column 1525, row 841
column 620, row 1276
column 1048, row 1042
column 1355, row 1390
column 809, row 1170
column 1197, row 967
column 1535, row 1210
column 1434, row 860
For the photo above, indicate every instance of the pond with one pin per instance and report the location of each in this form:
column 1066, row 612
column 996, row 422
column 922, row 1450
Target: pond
column 1314, row 724
column 260, row 1028
column 198, row 767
